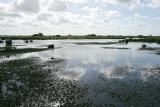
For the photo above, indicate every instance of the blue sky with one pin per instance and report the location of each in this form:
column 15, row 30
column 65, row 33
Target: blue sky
column 80, row 17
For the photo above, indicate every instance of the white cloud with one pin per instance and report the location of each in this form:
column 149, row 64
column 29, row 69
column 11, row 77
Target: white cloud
column 31, row 6
column 153, row 3
column 4, row 14
column 121, row 1
column 111, row 13
column 57, row 5
column 156, row 18
column 130, row 3
column 138, row 23
column 44, row 16
column 92, row 10
column 5, row 11
column 140, row 16
column 76, row 16
column 77, row 1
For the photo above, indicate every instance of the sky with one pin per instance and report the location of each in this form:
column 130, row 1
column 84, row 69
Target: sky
column 80, row 17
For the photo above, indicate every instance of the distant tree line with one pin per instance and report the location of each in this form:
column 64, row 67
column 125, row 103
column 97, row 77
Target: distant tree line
column 40, row 36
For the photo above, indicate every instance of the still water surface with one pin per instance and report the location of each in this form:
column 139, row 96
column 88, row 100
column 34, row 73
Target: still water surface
column 112, row 75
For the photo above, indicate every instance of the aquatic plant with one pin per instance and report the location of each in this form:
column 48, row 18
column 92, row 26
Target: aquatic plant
column 26, row 83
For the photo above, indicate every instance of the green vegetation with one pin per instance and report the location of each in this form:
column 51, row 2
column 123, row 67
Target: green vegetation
column 8, row 42
column 94, row 43
column 25, row 83
column 60, row 37
column 114, row 48
column 9, row 47
column 10, row 51
column 31, row 40
column 51, row 46
column 26, row 41
column 150, row 48
column 155, row 49
column 144, row 46
column 141, row 38
column 2, row 47
column 149, row 39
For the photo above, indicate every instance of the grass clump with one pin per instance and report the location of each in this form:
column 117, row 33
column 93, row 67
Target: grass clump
column 94, row 43
column 114, row 48
column 10, row 51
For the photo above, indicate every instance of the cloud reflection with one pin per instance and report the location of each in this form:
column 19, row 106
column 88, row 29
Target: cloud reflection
column 116, row 72
column 74, row 73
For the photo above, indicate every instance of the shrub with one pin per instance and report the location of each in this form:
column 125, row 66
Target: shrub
column 8, row 49
column 51, row 46
column 31, row 40
column 8, row 42
column 144, row 46
column 126, row 41
column 26, row 41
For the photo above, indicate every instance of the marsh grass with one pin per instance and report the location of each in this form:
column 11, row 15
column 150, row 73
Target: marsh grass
column 2, row 47
column 94, row 43
column 10, row 51
column 28, row 83
column 115, row 48
column 150, row 48
column 155, row 50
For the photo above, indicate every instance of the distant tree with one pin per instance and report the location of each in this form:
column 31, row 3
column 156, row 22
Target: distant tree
column 35, row 35
column 39, row 34
column 58, row 35
column 140, row 36
column 91, row 35
column 69, row 35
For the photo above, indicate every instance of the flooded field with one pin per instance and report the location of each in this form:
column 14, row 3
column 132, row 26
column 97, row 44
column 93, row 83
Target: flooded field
column 81, row 73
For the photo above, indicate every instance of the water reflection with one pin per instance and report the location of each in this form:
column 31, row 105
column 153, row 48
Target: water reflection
column 72, row 73
column 112, row 77
column 116, row 72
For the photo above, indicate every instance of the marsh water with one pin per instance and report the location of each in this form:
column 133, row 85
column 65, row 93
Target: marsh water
column 113, row 76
